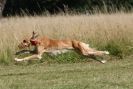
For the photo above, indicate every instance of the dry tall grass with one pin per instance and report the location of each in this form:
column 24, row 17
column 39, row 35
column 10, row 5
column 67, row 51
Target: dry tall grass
column 111, row 32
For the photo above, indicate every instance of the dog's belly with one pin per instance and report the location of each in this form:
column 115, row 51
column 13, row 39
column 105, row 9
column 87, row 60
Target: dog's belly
column 57, row 51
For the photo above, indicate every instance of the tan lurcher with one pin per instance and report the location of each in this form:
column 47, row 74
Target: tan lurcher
column 44, row 45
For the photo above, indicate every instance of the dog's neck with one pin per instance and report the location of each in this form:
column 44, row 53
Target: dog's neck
column 34, row 42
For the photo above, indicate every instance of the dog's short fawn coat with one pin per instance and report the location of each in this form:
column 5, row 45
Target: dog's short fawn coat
column 45, row 44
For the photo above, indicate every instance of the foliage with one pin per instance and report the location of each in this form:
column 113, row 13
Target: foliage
column 33, row 7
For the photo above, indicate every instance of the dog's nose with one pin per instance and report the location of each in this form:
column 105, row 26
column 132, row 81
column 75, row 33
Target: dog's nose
column 20, row 46
column 25, row 44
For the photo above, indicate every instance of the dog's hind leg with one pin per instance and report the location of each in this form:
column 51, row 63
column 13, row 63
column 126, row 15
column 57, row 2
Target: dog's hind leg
column 87, row 51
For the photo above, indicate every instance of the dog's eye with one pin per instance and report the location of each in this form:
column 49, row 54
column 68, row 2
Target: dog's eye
column 24, row 41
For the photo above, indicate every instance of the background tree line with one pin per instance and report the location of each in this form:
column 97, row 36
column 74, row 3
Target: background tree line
column 32, row 7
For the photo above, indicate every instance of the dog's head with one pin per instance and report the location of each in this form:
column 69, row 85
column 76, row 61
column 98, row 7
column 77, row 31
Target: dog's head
column 24, row 44
column 27, row 42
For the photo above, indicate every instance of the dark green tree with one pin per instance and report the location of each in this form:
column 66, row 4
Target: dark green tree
column 2, row 5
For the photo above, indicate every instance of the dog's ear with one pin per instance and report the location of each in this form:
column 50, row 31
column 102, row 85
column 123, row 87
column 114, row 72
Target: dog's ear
column 34, row 35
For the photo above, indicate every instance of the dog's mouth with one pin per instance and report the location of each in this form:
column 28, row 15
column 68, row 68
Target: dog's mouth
column 23, row 45
column 25, row 48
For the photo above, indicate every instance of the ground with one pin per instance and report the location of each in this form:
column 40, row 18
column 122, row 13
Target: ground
column 115, row 74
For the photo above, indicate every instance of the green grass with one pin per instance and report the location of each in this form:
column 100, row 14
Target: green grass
column 69, row 57
column 116, row 74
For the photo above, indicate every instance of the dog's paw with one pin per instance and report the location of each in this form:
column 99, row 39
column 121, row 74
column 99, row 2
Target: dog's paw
column 18, row 60
column 39, row 57
column 103, row 61
column 106, row 52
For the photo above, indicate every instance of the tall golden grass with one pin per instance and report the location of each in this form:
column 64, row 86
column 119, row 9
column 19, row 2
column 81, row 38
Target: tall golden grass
column 103, row 31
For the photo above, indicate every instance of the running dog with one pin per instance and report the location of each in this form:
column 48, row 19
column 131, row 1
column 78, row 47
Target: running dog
column 47, row 45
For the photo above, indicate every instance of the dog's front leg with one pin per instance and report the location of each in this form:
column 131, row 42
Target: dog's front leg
column 37, row 56
column 33, row 57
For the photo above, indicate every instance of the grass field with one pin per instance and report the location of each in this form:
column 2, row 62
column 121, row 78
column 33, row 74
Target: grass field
column 103, row 31
column 69, row 71
column 116, row 74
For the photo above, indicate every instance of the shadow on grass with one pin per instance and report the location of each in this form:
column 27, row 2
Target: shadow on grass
column 73, row 56
column 17, row 74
